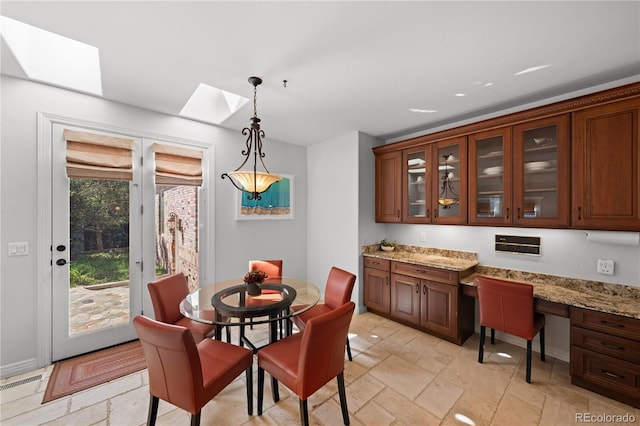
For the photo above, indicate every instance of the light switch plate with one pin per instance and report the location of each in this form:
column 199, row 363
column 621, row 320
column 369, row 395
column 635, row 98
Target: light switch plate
column 18, row 249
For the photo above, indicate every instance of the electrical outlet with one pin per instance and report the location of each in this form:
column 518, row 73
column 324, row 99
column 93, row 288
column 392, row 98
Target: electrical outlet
column 423, row 236
column 605, row 267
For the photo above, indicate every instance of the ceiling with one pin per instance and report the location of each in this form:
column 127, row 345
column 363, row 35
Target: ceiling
column 349, row 66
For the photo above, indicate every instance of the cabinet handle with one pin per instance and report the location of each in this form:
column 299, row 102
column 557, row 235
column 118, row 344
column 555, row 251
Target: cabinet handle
column 428, row 213
column 518, row 212
column 417, row 288
column 386, row 281
column 424, row 289
column 421, row 271
column 619, row 348
column 579, row 213
column 608, row 373
column 398, row 214
column 507, row 212
column 611, row 324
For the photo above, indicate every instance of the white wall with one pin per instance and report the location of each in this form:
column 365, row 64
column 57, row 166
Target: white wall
column 333, row 209
column 236, row 242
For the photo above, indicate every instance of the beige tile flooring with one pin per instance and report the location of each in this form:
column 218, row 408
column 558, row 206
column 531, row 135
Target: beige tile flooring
column 399, row 376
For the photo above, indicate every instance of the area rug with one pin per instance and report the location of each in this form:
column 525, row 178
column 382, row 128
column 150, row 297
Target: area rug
column 85, row 371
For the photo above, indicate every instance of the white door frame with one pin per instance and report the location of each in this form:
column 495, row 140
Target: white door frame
column 44, row 244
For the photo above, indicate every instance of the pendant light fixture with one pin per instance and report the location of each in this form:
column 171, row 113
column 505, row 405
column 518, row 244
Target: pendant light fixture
column 253, row 182
column 447, row 196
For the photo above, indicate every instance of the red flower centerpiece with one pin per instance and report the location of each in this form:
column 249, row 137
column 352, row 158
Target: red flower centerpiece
column 252, row 279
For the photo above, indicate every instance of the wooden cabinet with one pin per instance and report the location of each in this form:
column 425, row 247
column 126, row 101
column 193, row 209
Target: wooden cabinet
column 388, row 193
column 416, row 184
column 605, row 354
column 606, row 157
column 377, row 292
column 429, row 299
column 449, row 196
column 519, row 175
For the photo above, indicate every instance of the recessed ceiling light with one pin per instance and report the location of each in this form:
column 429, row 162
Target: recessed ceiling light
column 460, row 95
column 425, row 111
column 51, row 58
column 487, row 84
column 533, row 69
column 213, row 105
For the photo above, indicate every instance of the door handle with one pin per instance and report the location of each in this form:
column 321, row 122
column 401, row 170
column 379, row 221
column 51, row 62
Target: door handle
column 61, row 247
column 61, row 262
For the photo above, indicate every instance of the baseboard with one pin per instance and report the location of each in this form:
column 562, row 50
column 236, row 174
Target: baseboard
column 18, row 368
column 551, row 351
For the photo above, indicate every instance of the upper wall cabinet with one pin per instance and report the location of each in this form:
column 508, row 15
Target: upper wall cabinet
column 449, row 197
column 524, row 181
column 416, row 184
column 606, row 154
column 388, row 187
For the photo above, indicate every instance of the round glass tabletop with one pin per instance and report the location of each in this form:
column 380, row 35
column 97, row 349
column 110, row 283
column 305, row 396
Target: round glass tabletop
column 227, row 302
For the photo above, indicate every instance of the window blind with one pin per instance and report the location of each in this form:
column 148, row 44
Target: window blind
column 98, row 156
column 177, row 166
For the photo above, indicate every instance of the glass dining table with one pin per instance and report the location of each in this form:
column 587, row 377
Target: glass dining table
column 227, row 303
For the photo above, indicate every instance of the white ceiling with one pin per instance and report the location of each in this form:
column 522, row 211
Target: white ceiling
column 350, row 65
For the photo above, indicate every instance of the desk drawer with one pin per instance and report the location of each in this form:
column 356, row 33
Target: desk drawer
column 618, row 347
column 375, row 263
column 607, row 323
column 425, row 272
column 605, row 371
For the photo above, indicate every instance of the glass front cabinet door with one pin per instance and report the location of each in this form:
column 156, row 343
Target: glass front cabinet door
column 490, row 177
column 449, row 196
column 541, row 158
column 416, row 183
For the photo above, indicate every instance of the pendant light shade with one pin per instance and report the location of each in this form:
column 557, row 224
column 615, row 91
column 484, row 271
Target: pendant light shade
column 252, row 181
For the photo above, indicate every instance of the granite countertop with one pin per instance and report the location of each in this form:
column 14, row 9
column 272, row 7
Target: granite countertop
column 604, row 297
column 451, row 260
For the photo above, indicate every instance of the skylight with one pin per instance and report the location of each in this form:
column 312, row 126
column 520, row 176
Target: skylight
column 52, row 58
column 212, row 105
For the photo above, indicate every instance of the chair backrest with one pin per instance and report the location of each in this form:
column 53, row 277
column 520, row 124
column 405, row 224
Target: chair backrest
column 339, row 287
column 166, row 295
column 322, row 349
column 273, row 268
column 506, row 306
column 173, row 362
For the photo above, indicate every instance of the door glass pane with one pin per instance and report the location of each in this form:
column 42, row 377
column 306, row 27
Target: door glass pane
column 490, row 177
column 416, row 182
column 540, row 172
column 176, row 209
column 449, row 181
column 99, row 254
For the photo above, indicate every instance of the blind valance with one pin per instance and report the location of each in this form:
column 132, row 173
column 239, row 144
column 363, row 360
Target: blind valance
column 177, row 166
column 98, row 156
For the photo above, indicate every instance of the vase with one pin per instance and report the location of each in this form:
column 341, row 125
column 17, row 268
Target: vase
column 253, row 289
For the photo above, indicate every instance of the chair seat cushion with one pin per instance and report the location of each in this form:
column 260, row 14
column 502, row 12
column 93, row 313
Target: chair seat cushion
column 221, row 363
column 281, row 360
column 300, row 320
column 198, row 329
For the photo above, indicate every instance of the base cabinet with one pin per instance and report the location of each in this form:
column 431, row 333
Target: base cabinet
column 605, row 354
column 422, row 297
column 377, row 293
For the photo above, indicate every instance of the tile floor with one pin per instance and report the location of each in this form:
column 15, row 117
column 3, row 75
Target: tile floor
column 399, row 376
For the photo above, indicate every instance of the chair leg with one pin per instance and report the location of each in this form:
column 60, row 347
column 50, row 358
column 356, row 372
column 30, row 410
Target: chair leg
column 275, row 392
column 493, row 336
column 241, row 338
column 249, row 374
column 343, row 398
column 228, row 334
column 195, row 419
column 260, row 389
column 483, row 331
column 542, row 344
column 349, row 350
column 153, row 410
column 304, row 413
column 529, row 361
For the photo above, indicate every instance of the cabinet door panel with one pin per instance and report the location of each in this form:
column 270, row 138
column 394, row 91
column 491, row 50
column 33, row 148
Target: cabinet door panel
column 606, row 154
column 449, row 197
column 439, row 309
column 389, row 187
column 405, row 298
column 376, row 290
column 416, row 180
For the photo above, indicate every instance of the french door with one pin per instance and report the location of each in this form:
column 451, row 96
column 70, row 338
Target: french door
column 96, row 253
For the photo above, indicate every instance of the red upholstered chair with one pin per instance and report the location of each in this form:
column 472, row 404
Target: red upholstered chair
column 305, row 362
column 166, row 294
column 507, row 306
column 185, row 374
column 337, row 292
